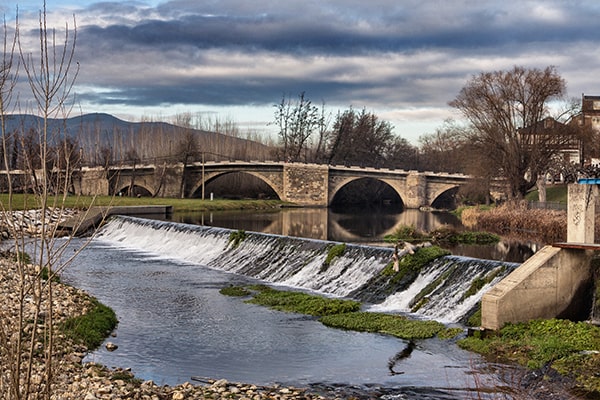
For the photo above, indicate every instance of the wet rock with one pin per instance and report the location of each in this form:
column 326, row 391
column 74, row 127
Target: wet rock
column 110, row 346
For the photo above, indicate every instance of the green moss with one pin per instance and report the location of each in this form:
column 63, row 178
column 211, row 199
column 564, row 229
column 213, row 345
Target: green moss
column 91, row 328
column 237, row 237
column 479, row 282
column 389, row 324
column 421, row 298
column 236, row 291
column 303, row 303
column 334, row 251
column 475, row 319
column 422, row 257
column 450, row 333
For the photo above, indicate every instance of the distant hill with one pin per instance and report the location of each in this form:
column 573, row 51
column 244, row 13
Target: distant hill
column 101, row 133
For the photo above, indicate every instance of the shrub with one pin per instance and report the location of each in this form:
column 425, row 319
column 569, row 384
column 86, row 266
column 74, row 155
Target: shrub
column 406, row 233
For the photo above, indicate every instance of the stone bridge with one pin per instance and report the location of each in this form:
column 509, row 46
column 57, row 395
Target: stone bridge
column 303, row 184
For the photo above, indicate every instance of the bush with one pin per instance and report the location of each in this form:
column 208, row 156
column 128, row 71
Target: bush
column 406, row 233
column 546, row 226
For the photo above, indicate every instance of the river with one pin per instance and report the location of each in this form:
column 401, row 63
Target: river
column 163, row 280
column 367, row 225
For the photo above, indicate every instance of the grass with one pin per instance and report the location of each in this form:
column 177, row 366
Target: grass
column 25, row 202
column 571, row 348
column 416, row 261
column 237, row 237
column 91, row 328
column 554, row 193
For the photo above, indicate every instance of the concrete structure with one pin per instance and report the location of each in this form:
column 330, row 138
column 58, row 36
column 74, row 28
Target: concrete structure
column 94, row 216
column 556, row 282
column 303, row 184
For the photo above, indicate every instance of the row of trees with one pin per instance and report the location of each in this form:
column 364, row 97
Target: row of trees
column 310, row 133
column 505, row 135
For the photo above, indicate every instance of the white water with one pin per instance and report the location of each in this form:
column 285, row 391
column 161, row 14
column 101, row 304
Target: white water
column 298, row 263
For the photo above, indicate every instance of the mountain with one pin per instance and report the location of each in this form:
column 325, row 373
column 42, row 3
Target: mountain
column 101, row 133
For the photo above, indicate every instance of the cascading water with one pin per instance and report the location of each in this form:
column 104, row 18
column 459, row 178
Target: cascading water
column 447, row 289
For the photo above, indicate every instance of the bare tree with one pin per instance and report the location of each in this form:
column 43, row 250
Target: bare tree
column 498, row 104
column 50, row 75
column 360, row 138
column 296, row 122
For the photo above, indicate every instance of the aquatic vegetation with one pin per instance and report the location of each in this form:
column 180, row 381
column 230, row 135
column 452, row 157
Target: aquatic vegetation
column 335, row 251
column 237, row 237
column 302, row 303
column 395, row 325
column 236, row 291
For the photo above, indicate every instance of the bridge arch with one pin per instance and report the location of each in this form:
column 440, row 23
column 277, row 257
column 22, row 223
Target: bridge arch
column 362, row 190
column 212, row 176
column 134, row 191
column 444, row 197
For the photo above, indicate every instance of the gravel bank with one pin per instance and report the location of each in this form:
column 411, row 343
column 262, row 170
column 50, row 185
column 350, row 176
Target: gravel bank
column 74, row 380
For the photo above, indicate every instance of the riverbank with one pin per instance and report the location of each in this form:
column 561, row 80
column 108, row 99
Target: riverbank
column 19, row 201
column 74, row 380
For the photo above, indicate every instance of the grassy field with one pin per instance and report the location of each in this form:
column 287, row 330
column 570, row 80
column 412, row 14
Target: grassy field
column 24, row 201
column 554, row 193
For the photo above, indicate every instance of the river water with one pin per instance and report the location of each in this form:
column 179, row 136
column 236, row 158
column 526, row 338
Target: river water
column 163, row 281
column 174, row 325
column 368, row 225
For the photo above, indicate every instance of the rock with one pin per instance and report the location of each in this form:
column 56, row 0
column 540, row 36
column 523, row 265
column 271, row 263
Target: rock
column 177, row 395
column 110, row 346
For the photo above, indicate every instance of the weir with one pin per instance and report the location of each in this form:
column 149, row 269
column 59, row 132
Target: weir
column 443, row 290
column 557, row 281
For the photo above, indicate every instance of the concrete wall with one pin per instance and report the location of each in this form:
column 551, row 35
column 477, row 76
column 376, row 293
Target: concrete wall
column 554, row 282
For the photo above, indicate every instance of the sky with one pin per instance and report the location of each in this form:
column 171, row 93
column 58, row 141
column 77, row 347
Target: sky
column 402, row 60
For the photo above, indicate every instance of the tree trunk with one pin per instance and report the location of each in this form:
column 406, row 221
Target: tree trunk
column 541, row 186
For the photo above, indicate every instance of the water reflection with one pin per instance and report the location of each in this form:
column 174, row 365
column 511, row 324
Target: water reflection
column 343, row 225
column 351, row 225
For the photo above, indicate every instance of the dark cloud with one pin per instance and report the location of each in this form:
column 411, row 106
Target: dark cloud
column 386, row 54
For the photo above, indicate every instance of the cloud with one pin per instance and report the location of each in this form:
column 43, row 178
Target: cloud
column 406, row 59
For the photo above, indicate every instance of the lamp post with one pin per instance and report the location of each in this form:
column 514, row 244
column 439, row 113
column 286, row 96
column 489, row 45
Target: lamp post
column 202, row 175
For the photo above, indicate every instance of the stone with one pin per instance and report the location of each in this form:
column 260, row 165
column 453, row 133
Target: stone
column 110, row 346
column 177, row 395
